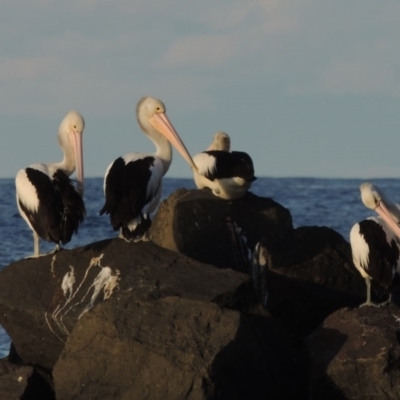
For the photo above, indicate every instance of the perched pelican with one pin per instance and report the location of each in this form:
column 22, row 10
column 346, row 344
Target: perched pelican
column 375, row 241
column 221, row 141
column 132, row 183
column 229, row 175
column 46, row 197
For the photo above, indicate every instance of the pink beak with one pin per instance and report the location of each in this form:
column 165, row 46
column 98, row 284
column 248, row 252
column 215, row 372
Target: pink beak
column 161, row 122
column 387, row 215
column 75, row 138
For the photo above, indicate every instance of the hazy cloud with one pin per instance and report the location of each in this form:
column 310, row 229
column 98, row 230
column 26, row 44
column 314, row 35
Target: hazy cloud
column 258, row 66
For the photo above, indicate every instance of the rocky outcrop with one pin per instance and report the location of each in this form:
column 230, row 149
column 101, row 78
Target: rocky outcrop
column 220, row 232
column 97, row 316
column 216, row 306
column 175, row 348
column 355, row 354
column 310, row 280
column 55, row 291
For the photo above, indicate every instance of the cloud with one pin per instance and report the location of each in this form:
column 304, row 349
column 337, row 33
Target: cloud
column 101, row 53
column 355, row 77
column 200, row 51
column 27, row 69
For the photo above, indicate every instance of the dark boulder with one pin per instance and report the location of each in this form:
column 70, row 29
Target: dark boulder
column 139, row 320
column 355, row 354
column 309, row 281
column 46, row 296
column 220, row 232
column 24, row 382
column 118, row 320
column 175, row 348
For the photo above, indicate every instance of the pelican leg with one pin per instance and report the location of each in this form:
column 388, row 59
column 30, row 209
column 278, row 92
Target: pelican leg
column 121, row 236
column 146, row 237
column 36, row 249
column 143, row 238
column 388, row 301
column 35, row 246
column 56, row 249
column 369, row 302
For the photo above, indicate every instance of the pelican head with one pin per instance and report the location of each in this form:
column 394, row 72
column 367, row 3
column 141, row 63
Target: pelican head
column 70, row 139
column 151, row 115
column 374, row 199
column 221, row 142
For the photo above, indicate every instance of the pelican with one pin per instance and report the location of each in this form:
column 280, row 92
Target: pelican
column 229, row 175
column 132, row 183
column 46, row 197
column 375, row 241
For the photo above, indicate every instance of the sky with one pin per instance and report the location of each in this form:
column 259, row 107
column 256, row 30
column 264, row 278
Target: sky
column 308, row 88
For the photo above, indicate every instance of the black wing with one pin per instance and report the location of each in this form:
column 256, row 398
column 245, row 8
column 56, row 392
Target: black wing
column 234, row 164
column 383, row 255
column 126, row 190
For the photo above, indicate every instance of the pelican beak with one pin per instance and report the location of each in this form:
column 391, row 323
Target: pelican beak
column 387, row 215
column 161, row 122
column 75, row 138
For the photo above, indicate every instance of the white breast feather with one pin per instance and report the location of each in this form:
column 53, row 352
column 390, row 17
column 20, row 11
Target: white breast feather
column 360, row 249
column 154, row 186
column 205, row 163
column 25, row 190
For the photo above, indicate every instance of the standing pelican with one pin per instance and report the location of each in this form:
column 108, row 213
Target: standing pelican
column 132, row 183
column 375, row 241
column 46, row 197
column 229, row 175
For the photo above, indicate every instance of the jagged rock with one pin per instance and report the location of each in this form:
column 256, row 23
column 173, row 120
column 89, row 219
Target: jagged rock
column 310, row 269
column 22, row 382
column 174, row 348
column 219, row 232
column 123, row 320
column 46, row 296
column 13, row 380
column 131, row 314
column 355, row 354
column 310, row 280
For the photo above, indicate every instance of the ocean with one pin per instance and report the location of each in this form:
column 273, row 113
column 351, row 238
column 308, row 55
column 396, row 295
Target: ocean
column 334, row 203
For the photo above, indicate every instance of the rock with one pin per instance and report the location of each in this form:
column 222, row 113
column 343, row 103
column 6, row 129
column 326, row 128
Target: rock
column 13, row 380
column 355, row 354
column 310, row 269
column 310, row 280
column 177, row 317
column 174, row 348
column 134, row 319
column 219, row 232
column 46, row 296
column 22, row 382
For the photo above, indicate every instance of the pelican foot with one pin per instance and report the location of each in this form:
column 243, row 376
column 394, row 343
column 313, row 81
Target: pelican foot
column 141, row 238
column 396, row 318
column 121, row 236
column 55, row 250
column 33, row 256
column 371, row 304
column 136, row 239
column 146, row 237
